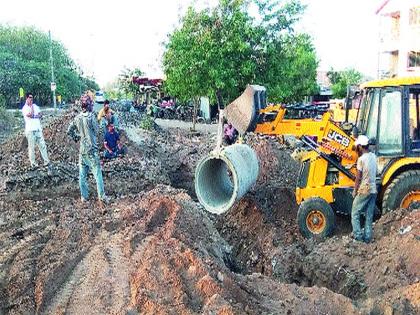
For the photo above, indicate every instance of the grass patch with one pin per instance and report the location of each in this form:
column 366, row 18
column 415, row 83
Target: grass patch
column 147, row 122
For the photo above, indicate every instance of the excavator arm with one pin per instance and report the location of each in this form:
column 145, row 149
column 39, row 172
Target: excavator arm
column 250, row 113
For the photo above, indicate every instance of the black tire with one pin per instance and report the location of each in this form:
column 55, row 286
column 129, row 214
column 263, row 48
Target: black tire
column 399, row 188
column 318, row 209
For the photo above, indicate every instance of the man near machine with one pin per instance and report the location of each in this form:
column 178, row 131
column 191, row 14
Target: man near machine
column 229, row 134
column 84, row 128
column 364, row 192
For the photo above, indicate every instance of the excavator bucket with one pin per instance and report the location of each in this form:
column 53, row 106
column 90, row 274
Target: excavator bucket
column 243, row 112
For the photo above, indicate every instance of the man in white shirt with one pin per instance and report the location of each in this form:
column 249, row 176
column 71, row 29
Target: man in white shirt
column 364, row 192
column 33, row 130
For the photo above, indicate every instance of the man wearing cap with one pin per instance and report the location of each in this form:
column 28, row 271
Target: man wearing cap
column 84, row 128
column 364, row 192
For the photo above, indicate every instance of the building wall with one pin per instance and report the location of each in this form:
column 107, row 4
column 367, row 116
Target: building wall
column 400, row 36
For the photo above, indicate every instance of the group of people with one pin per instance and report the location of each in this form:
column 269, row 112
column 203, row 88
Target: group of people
column 83, row 129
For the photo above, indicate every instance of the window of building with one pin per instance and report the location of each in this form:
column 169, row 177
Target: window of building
column 414, row 59
column 414, row 16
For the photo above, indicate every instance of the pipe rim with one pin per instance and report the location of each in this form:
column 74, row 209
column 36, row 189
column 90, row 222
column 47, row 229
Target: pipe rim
column 235, row 184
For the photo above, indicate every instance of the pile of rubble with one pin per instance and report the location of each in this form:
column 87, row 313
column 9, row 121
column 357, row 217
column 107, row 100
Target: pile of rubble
column 155, row 250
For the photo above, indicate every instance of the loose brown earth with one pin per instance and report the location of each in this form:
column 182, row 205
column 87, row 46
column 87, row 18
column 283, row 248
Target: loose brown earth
column 154, row 250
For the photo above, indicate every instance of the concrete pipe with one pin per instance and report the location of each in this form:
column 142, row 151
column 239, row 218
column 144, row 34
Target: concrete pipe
column 222, row 179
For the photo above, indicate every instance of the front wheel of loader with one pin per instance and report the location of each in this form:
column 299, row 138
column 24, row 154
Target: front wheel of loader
column 316, row 218
column 403, row 192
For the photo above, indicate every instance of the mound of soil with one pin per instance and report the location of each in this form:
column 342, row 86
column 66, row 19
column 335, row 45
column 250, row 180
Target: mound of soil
column 154, row 253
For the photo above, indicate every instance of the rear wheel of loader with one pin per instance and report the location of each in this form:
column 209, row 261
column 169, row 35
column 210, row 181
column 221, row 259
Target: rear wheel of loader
column 316, row 218
column 403, row 192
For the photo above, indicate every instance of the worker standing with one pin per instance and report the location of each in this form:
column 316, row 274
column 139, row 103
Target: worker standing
column 84, row 128
column 107, row 116
column 104, row 110
column 33, row 130
column 364, row 192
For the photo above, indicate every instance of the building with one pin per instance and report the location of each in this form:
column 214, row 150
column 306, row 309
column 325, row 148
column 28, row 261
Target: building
column 399, row 24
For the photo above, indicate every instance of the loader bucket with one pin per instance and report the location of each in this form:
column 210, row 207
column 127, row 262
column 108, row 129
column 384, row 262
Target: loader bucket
column 243, row 112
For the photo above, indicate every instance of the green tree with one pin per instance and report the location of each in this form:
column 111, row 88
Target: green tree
column 125, row 82
column 288, row 60
column 25, row 62
column 211, row 54
column 113, row 90
column 340, row 80
column 217, row 52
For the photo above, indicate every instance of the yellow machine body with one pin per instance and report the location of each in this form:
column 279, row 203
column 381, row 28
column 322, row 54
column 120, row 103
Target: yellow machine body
column 318, row 177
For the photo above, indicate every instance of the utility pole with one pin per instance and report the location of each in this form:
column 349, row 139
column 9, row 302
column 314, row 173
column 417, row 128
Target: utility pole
column 53, row 86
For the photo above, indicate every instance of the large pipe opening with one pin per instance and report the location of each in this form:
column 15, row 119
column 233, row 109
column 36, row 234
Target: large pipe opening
column 221, row 180
column 215, row 186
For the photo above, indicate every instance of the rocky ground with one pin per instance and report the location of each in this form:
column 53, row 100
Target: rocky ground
column 154, row 250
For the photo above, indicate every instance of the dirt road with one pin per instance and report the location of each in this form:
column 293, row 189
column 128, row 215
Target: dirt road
column 168, row 123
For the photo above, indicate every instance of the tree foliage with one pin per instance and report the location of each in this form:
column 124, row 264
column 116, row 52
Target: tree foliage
column 25, row 62
column 217, row 52
column 340, row 80
column 125, row 82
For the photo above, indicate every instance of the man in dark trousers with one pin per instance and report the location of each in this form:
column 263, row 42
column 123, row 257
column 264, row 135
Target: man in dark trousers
column 364, row 192
column 112, row 143
column 84, row 128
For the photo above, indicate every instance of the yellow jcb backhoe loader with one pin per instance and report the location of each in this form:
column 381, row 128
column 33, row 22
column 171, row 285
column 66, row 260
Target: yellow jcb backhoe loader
column 388, row 114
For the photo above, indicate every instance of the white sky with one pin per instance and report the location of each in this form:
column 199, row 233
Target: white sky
column 105, row 36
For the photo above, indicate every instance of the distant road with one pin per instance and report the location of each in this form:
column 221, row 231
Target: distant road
column 171, row 123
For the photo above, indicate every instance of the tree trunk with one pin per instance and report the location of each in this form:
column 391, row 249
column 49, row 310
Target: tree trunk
column 219, row 98
column 194, row 118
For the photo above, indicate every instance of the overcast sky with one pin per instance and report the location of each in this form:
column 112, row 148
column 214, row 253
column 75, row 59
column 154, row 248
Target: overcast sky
column 105, row 36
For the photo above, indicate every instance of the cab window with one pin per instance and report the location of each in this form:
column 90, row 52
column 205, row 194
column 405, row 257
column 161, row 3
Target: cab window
column 364, row 110
column 414, row 121
column 372, row 121
column 390, row 125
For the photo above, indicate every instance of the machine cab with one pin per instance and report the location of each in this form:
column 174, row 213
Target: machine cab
column 389, row 115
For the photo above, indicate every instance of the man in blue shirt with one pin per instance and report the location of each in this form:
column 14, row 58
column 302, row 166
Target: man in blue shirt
column 112, row 143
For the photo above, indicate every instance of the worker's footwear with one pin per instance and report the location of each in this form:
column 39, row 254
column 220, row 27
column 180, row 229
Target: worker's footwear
column 33, row 167
column 357, row 239
column 368, row 240
column 83, row 200
column 49, row 169
column 105, row 200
